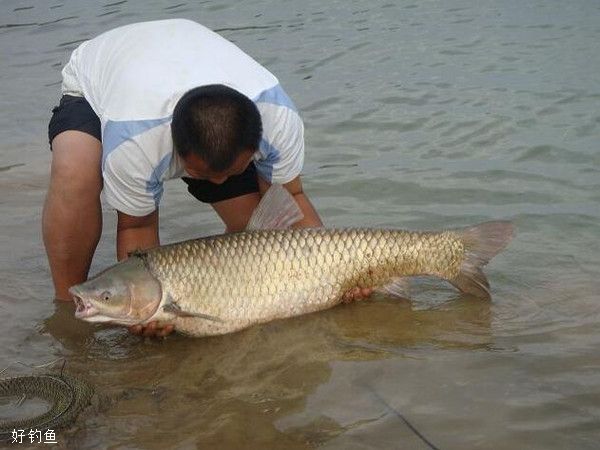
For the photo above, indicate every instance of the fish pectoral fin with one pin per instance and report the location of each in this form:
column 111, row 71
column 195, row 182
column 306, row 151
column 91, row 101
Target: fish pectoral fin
column 397, row 287
column 174, row 308
column 277, row 210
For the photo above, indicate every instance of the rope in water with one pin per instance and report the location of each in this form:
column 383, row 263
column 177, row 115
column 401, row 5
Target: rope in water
column 67, row 395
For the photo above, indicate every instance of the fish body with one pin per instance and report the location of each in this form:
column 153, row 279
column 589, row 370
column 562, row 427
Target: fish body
column 258, row 276
column 224, row 283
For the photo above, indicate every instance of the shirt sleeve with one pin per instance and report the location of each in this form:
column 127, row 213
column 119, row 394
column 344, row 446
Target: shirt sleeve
column 128, row 183
column 281, row 154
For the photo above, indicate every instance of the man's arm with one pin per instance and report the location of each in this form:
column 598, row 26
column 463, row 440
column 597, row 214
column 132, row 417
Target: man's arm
column 136, row 233
column 236, row 212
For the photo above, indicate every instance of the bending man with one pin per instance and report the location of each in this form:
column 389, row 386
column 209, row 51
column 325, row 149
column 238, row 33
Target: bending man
column 153, row 101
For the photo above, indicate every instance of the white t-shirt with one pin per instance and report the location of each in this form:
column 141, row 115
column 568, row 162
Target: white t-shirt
column 134, row 75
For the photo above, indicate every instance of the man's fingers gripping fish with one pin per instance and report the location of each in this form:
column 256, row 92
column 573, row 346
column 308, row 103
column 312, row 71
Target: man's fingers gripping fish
column 224, row 283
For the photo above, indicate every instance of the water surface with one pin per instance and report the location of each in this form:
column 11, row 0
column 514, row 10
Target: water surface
column 418, row 115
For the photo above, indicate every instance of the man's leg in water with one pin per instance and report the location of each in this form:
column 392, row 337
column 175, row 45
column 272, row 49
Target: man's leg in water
column 72, row 217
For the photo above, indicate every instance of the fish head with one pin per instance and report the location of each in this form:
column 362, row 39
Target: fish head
column 126, row 293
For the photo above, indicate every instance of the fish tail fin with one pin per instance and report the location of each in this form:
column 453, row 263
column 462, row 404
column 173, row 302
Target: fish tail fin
column 482, row 242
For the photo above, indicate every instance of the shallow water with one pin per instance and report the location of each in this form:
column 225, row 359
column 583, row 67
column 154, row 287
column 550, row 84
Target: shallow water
column 418, row 115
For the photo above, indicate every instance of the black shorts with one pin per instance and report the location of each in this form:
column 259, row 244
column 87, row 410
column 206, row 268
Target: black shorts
column 75, row 113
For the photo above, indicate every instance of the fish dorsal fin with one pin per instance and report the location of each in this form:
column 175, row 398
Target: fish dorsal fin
column 277, row 210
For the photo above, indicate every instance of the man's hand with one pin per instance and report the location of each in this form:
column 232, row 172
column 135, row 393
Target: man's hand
column 356, row 293
column 152, row 329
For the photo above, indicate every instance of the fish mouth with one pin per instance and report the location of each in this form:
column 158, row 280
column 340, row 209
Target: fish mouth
column 83, row 307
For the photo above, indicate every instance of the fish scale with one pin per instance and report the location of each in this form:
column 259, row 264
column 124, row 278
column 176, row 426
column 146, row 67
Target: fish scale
column 258, row 276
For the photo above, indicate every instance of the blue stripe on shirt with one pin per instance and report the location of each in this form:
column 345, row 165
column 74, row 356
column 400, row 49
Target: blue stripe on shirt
column 118, row 131
column 270, row 156
column 276, row 96
column 155, row 184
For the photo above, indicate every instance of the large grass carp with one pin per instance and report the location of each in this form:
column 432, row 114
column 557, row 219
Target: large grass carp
column 224, row 283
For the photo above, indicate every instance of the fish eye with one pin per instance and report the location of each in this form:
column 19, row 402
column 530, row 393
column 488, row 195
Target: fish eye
column 106, row 295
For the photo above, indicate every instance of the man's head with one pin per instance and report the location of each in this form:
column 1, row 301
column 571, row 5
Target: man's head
column 215, row 130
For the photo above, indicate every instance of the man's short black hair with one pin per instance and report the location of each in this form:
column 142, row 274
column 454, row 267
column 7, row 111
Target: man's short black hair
column 217, row 123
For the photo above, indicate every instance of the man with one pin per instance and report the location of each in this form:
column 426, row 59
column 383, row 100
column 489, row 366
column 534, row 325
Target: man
column 153, row 101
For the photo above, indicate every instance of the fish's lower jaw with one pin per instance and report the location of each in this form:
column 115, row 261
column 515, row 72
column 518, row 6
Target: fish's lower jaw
column 99, row 318
column 83, row 309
